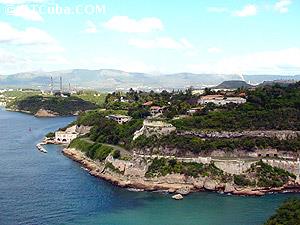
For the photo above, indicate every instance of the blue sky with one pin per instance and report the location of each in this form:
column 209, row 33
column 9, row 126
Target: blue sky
column 154, row 36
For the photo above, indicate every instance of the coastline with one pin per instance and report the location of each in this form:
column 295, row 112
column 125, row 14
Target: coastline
column 99, row 170
column 41, row 113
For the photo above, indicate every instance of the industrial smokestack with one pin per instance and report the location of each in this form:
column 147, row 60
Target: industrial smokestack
column 51, row 85
column 61, row 84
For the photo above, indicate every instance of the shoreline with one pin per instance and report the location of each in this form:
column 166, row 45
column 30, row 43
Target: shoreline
column 158, row 184
column 50, row 115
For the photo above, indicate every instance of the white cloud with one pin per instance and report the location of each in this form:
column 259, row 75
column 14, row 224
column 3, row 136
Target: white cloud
column 29, row 36
column 282, row 6
column 90, row 27
column 269, row 62
column 19, row 2
column 162, row 42
column 217, row 9
column 26, row 13
column 214, row 50
column 6, row 57
column 248, row 10
column 125, row 24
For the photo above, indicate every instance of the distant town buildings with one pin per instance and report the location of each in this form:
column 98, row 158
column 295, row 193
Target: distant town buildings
column 220, row 100
column 120, row 119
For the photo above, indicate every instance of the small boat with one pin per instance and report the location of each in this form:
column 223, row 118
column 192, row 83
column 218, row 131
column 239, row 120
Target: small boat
column 41, row 148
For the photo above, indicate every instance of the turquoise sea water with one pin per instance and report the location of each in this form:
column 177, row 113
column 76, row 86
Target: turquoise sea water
column 37, row 188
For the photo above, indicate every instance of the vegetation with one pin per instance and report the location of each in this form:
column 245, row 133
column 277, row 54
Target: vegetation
column 287, row 214
column 81, row 144
column 242, row 180
column 163, row 166
column 197, row 145
column 269, row 107
column 60, row 105
column 177, row 102
column 50, row 135
column 112, row 168
column 263, row 175
column 92, row 96
column 107, row 131
column 268, row 176
column 99, row 152
column 94, row 151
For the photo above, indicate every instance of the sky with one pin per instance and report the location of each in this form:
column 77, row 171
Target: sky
column 151, row 36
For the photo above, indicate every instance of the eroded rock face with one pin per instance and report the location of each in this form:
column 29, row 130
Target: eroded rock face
column 183, row 191
column 229, row 188
column 45, row 113
column 133, row 176
column 280, row 134
column 210, row 185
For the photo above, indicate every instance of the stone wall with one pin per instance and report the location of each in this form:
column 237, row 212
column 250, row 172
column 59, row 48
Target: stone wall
column 135, row 168
column 280, row 134
column 233, row 166
column 291, row 166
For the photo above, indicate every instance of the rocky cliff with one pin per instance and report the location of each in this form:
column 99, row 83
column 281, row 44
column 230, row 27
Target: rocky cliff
column 132, row 174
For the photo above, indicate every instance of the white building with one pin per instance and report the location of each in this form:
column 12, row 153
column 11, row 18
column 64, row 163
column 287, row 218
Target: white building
column 154, row 128
column 220, row 100
column 65, row 137
column 120, row 119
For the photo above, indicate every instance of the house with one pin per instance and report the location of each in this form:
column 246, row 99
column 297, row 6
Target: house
column 61, row 94
column 157, row 128
column 198, row 92
column 65, row 137
column 120, row 119
column 123, row 99
column 148, row 103
column 156, row 111
column 194, row 110
column 220, row 100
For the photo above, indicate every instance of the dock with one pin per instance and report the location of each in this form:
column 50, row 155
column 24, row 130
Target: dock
column 41, row 148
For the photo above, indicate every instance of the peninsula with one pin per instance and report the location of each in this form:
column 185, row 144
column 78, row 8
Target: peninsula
column 242, row 141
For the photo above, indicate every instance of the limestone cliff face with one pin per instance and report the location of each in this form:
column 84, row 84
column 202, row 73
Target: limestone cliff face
column 279, row 134
column 45, row 113
column 132, row 174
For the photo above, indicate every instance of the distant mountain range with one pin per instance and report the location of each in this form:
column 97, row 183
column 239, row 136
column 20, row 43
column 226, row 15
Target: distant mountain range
column 108, row 80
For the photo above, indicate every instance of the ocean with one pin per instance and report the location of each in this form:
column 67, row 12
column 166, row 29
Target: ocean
column 38, row 188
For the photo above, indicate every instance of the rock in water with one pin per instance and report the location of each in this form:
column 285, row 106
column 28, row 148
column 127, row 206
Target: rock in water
column 177, row 197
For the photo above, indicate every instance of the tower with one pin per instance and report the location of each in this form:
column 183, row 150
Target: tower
column 51, row 85
column 61, row 84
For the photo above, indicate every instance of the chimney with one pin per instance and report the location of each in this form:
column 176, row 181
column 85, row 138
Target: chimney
column 61, row 84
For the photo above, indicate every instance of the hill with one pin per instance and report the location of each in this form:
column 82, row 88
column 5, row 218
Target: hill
column 108, row 79
column 233, row 84
column 51, row 106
